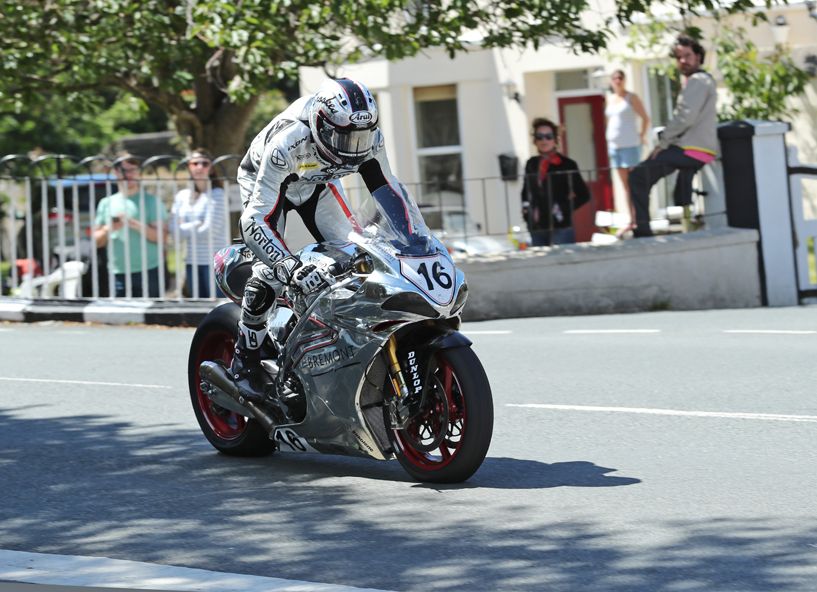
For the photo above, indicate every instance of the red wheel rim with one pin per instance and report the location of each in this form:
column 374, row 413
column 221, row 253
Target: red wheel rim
column 218, row 345
column 445, row 453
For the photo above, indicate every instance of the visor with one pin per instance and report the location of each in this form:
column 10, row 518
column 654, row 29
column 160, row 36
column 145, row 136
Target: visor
column 348, row 144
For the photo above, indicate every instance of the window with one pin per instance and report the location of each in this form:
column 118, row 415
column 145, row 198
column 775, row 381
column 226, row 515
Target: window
column 663, row 93
column 439, row 151
column 572, row 80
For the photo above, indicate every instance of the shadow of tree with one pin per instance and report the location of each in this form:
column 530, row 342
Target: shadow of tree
column 88, row 485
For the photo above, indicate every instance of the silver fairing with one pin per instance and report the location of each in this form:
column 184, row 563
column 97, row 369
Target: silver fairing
column 334, row 349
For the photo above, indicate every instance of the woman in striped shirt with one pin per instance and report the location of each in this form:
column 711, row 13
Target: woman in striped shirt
column 200, row 218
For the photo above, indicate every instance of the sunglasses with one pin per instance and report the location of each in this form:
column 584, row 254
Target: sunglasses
column 543, row 136
column 202, row 163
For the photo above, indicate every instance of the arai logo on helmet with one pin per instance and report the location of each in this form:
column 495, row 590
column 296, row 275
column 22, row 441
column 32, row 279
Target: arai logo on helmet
column 359, row 117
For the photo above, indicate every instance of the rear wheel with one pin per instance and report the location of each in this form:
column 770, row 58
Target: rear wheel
column 448, row 439
column 229, row 432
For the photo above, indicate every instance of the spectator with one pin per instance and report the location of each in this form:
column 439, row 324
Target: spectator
column 624, row 142
column 123, row 208
column 688, row 141
column 199, row 218
column 549, row 189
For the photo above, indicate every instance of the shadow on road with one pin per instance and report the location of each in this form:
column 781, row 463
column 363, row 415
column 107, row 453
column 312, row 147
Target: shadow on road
column 512, row 473
column 88, row 485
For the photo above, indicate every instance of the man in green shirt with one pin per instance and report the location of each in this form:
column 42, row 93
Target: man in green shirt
column 122, row 208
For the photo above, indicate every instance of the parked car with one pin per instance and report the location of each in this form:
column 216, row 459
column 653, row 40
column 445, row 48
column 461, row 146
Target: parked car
column 460, row 233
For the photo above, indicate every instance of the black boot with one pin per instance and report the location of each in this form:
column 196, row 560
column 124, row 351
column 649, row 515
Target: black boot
column 249, row 376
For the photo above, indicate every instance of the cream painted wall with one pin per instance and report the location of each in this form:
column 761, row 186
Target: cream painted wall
column 538, row 103
column 804, row 125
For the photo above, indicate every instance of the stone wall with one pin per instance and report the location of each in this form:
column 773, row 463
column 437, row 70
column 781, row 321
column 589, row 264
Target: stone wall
column 700, row 270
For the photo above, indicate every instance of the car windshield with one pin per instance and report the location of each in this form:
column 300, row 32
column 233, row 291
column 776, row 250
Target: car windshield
column 391, row 214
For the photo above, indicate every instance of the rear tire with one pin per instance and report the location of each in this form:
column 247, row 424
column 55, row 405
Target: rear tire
column 459, row 410
column 230, row 433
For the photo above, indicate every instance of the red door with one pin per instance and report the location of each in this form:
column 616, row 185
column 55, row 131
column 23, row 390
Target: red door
column 583, row 140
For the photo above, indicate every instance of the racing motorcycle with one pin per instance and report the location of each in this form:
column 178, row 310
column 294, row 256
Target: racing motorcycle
column 370, row 365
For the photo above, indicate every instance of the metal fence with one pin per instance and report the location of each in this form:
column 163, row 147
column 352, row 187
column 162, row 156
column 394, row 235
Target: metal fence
column 48, row 242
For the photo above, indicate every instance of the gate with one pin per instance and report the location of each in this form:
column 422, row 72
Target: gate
column 803, row 194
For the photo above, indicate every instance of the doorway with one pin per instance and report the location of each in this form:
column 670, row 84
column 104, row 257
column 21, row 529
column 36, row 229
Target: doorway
column 583, row 140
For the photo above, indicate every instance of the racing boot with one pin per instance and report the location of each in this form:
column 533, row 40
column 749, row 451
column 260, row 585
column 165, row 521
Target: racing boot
column 246, row 369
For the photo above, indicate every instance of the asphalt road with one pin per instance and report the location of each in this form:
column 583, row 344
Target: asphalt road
column 620, row 485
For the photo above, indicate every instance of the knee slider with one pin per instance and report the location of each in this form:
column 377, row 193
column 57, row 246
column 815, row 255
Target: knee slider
column 258, row 297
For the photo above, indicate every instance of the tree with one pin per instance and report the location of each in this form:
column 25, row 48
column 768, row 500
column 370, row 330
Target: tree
column 759, row 85
column 56, row 124
column 227, row 52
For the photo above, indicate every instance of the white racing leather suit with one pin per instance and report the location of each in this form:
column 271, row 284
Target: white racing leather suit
column 283, row 170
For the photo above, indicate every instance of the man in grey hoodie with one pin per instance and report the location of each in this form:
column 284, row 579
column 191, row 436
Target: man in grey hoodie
column 688, row 141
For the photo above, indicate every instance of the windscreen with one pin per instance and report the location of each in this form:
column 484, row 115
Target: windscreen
column 392, row 215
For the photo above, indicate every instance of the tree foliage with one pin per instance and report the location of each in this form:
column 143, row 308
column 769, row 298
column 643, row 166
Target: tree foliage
column 228, row 52
column 57, row 124
column 759, row 85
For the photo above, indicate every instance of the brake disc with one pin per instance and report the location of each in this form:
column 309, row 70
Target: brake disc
column 427, row 430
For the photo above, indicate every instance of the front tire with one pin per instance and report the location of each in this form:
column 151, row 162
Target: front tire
column 448, row 440
column 228, row 432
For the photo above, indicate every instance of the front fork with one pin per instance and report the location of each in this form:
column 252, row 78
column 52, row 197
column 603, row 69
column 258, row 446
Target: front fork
column 398, row 410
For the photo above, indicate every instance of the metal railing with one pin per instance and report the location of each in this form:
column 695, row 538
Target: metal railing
column 48, row 243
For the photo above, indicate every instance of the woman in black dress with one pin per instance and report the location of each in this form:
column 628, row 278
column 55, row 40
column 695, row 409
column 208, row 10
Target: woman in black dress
column 553, row 188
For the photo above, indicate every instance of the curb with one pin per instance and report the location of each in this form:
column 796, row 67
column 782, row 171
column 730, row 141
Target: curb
column 171, row 313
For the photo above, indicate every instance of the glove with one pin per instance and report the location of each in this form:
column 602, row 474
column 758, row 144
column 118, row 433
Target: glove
column 291, row 272
column 308, row 279
column 285, row 268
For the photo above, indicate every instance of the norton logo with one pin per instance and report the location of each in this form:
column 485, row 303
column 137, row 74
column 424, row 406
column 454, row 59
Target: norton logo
column 360, row 117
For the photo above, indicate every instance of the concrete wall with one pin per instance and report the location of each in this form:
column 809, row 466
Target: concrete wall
column 705, row 269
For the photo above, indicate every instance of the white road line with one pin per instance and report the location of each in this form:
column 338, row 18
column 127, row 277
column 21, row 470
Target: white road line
column 614, row 331
column 86, row 382
column 486, row 332
column 769, row 331
column 769, row 416
column 98, row 572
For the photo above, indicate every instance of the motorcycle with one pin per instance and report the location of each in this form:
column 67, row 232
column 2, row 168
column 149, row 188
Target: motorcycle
column 370, row 365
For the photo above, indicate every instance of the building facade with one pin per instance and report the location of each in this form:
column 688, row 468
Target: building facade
column 447, row 121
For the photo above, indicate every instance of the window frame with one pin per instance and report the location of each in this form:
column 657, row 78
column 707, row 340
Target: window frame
column 419, row 153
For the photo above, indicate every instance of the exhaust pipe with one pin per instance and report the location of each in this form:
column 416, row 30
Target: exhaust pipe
column 219, row 377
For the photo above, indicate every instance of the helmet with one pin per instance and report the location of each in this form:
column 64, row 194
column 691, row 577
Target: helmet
column 233, row 268
column 343, row 119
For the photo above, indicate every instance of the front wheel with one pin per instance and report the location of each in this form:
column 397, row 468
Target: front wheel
column 448, row 439
column 229, row 432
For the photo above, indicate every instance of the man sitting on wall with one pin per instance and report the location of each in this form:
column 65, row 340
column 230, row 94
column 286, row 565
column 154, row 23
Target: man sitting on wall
column 687, row 142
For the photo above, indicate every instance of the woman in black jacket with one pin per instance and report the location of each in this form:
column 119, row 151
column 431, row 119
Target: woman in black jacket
column 553, row 188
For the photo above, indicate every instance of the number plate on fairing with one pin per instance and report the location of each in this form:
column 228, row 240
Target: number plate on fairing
column 434, row 276
column 289, row 441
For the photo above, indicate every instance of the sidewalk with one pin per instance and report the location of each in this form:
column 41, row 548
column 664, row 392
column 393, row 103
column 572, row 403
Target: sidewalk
column 171, row 313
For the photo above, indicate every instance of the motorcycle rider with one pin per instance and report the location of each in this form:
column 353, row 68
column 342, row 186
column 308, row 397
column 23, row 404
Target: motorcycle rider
column 295, row 163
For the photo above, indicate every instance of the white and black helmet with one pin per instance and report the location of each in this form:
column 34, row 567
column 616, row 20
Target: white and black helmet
column 343, row 119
